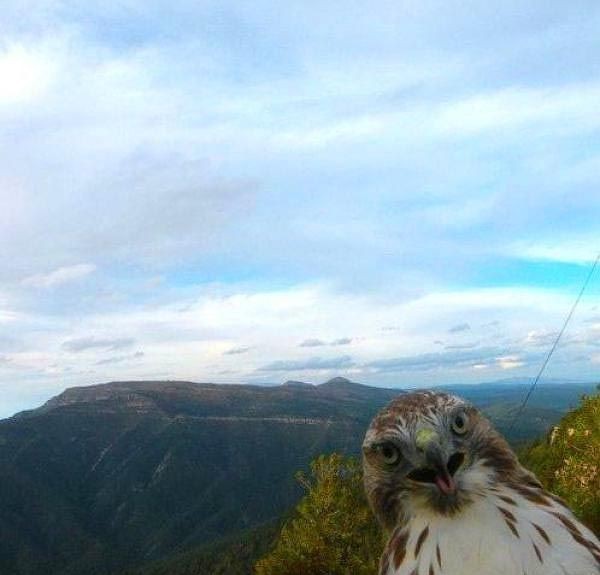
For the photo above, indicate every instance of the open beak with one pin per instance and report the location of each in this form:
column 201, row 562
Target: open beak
column 438, row 470
column 443, row 478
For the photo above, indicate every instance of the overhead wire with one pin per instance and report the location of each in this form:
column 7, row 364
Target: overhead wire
column 555, row 344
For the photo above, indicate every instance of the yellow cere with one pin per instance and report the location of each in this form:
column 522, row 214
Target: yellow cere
column 425, row 436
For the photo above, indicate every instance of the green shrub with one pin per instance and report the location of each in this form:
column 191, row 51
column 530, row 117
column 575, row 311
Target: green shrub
column 567, row 462
column 333, row 531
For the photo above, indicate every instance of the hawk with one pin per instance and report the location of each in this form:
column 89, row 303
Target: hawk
column 456, row 501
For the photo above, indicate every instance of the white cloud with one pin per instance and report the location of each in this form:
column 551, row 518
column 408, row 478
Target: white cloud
column 72, row 189
column 310, row 364
column 26, row 74
column 120, row 358
column 7, row 315
column 341, row 341
column 509, row 362
column 569, row 108
column 571, row 249
column 237, row 350
column 272, row 323
column 459, row 328
column 312, row 342
column 60, row 276
column 562, row 111
column 538, row 338
column 86, row 343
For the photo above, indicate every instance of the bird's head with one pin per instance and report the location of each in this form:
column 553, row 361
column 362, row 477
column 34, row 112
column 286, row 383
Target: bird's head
column 431, row 452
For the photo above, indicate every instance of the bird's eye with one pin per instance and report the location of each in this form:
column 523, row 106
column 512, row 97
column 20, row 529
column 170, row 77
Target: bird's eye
column 388, row 453
column 460, row 423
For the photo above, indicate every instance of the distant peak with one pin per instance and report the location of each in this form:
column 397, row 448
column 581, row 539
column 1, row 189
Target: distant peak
column 338, row 381
column 294, row 383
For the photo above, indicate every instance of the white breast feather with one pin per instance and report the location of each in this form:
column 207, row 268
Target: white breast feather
column 478, row 541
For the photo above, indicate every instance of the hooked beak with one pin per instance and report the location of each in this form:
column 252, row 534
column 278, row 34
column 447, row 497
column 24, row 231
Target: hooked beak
column 443, row 479
column 438, row 471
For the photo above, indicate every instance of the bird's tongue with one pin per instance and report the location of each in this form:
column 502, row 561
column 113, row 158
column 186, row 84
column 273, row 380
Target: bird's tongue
column 445, row 483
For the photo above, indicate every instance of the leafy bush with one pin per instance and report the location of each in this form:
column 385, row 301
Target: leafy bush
column 567, row 462
column 333, row 531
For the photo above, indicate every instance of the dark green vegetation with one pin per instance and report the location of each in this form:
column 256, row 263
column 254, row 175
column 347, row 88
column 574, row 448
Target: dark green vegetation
column 130, row 474
column 333, row 530
column 233, row 555
column 121, row 474
column 568, row 461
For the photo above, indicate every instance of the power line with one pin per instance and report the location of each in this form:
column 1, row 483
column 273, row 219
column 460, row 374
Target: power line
column 555, row 344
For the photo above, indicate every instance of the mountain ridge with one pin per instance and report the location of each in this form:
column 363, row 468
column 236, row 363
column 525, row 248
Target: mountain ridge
column 144, row 388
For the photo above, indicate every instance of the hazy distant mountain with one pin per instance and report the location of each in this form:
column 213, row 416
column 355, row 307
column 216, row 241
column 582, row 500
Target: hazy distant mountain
column 123, row 473
column 294, row 383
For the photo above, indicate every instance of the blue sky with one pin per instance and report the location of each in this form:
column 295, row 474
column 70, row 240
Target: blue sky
column 405, row 193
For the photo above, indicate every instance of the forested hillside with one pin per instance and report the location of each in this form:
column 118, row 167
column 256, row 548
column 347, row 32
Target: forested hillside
column 111, row 476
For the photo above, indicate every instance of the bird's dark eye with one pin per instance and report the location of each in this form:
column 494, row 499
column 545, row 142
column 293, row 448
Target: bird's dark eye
column 388, row 453
column 460, row 423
